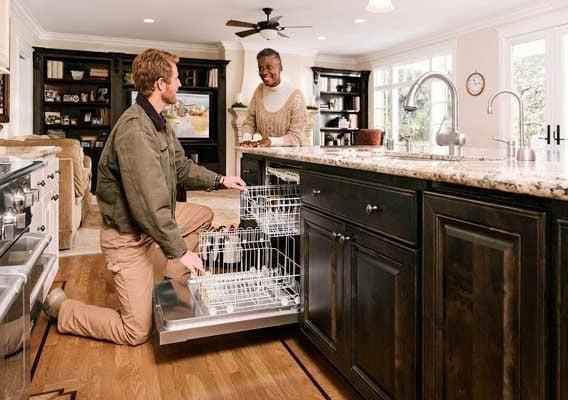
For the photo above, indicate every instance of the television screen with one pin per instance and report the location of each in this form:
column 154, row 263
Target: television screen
column 189, row 117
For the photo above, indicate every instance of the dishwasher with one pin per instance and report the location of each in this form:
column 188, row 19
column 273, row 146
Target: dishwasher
column 252, row 275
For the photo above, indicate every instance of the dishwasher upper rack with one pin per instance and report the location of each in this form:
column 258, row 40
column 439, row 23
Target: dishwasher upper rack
column 244, row 272
column 275, row 208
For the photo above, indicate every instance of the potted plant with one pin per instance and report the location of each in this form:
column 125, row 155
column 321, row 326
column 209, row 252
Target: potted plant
column 77, row 71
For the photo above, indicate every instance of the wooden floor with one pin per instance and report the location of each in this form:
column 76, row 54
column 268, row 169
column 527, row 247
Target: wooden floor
column 273, row 363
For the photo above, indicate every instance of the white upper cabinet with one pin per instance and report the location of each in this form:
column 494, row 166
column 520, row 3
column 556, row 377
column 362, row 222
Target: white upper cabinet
column 4, row 36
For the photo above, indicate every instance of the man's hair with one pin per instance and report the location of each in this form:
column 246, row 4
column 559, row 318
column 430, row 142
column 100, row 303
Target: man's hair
column 267, row 53
column 151, row 65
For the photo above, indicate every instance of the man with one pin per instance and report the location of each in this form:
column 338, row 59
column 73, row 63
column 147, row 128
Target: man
column 136, row 190
column 277, row 110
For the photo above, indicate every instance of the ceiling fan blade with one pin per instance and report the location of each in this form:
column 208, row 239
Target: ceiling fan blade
column 241, row 24
column 275, row 19
column 298, row 26
column 283, row 35
column 246, row 33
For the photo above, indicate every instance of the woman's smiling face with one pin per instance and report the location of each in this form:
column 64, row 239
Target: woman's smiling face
column 269, row 69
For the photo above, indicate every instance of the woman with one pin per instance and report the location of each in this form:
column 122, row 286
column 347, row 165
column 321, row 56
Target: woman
column 277, row 110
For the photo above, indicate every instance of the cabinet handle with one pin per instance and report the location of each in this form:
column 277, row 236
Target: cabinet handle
column 51, row 176
column 315, row 192
column 41, row 183
column 57, row 171
column 247, row 171
column 371, row 209
column 41, row 228
column 557, row 135
column 343, row 239
column 55, row 197
column 335, row 235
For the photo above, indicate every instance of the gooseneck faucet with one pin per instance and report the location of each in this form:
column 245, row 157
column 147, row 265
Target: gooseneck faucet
column 454, row 138
column 525, row 153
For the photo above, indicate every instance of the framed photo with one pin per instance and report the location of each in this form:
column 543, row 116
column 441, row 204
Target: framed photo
column 86, row 143
column 103, row 95
column 52, row 117
column 50, row 95
column 99, row 143
column 73, row 121
column 86, row 117
column 65, row 120
column 4, row 98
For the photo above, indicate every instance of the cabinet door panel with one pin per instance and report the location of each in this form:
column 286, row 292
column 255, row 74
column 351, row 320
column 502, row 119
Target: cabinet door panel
column 381, row 311
column 251, row 171
column 323, row 285
column 484, row 317
column 562, row 316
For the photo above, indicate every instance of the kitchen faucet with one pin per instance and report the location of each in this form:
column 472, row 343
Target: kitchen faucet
column 525, row 153
column 452, row 139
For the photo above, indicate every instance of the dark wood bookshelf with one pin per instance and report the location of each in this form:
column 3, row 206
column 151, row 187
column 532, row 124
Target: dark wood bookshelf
column 330, row 84
column 200, row 76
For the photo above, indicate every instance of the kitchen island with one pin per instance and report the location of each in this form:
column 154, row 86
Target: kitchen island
column 431, row 278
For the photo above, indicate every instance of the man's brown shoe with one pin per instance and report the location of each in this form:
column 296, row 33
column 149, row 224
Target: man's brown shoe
column 53, row 302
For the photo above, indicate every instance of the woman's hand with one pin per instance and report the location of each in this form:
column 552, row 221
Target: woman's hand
column 259, row 143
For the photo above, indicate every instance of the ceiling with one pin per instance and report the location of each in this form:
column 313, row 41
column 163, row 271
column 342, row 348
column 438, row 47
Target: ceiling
column 183, row 21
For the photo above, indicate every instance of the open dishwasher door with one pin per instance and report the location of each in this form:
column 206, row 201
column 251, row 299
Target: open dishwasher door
column 251, row 282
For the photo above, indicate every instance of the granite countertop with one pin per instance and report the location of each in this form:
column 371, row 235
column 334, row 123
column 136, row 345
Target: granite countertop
column 488, row 169
column 28, row 152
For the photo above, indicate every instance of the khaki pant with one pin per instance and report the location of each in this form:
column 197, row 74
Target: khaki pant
column 134, row 261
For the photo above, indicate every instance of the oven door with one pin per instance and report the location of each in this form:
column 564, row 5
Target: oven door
column 13, row 326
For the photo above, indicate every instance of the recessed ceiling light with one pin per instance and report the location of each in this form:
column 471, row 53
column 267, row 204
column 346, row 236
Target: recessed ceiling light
column 322, row 37
column 149, row 20
column 360, row 20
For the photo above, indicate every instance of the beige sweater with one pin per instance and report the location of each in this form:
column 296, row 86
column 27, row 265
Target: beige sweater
column 284, row 126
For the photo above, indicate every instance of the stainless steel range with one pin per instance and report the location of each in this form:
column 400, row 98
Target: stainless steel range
column 24, row 267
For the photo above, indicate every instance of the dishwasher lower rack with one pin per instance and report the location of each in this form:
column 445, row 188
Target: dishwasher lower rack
column 248, row 284
column 275, row 208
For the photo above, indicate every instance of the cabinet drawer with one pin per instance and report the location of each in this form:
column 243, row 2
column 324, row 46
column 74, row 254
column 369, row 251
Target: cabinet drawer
column 390, row 211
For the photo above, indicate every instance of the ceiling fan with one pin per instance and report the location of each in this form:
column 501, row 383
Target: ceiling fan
column 268, row 29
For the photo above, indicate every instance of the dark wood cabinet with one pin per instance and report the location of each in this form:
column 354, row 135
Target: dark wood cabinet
column 81, row 95
column 562, row 309
column 484, row 293
column 381, row 315
column 323, row 312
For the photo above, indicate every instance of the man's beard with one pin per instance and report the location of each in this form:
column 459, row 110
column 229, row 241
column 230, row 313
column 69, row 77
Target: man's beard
column 169, row 99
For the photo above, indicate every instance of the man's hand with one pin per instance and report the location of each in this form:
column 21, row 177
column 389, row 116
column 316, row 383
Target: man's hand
column 233, row 182
column 192, row 262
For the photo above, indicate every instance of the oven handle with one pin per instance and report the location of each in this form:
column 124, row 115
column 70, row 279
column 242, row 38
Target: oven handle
column 42, row 240
column 14, row 291
column 48, row 260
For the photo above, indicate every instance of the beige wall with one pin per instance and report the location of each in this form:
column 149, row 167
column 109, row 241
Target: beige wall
column 478, row 51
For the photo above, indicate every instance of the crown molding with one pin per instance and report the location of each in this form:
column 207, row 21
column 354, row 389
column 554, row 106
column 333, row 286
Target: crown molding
column 496, row 22
column 19, row 9
column 229, row 45
column 349, row 62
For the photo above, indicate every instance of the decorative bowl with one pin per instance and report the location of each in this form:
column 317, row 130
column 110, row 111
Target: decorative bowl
column 77, row 75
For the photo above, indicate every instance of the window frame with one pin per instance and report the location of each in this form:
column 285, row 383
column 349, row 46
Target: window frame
column 448, row 48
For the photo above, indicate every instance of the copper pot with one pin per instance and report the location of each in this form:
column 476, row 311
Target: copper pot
column 369, row 137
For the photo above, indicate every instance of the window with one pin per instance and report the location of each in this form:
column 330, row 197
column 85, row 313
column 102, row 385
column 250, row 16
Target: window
column 392, row 82
column 535, row 65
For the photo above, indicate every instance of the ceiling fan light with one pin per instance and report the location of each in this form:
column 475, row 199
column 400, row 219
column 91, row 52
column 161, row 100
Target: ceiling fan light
column 380, row 6
column 269, row 34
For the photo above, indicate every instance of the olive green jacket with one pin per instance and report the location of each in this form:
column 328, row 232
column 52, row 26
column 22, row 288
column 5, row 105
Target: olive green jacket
column 137, row 176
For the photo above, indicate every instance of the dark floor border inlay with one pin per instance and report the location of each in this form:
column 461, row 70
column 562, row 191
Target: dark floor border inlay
column 303, row 367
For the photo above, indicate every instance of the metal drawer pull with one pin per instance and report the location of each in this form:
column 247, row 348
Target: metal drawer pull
column 51, row 176
column 335, row 235
column 41, row 228
column 247, row 171
column 57, row 171
column 343, row 239
column 55, row 197
column 41, row 183
column 315, row 192
column 371, row 208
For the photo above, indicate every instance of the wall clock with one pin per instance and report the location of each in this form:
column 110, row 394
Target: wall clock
column 475, row 84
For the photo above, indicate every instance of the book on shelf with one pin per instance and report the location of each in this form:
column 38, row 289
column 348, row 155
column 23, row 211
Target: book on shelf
column 98, row 73
column 357, row 103
column 324, row 84
column 54, row 69
column 212, row 78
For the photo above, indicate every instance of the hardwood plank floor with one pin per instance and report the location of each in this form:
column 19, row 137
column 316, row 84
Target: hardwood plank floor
column 248, row 365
